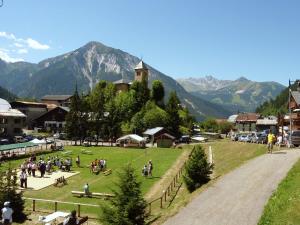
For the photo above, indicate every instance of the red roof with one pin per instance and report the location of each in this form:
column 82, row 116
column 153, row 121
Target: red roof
column 247, row 117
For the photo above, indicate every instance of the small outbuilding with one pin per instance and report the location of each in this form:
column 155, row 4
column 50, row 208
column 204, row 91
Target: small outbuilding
column 160, row 136
column 131, row 140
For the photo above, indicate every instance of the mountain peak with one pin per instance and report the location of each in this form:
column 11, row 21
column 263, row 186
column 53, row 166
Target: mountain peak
column 242, row 79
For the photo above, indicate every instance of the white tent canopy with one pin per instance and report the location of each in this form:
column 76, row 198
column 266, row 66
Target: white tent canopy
column 134, row 137
column 37, row 141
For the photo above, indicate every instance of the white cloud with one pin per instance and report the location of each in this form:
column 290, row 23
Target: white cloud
column 20, row 42
column 36, row 45
column 22, row 51
column 18, row 45
column 4, row 56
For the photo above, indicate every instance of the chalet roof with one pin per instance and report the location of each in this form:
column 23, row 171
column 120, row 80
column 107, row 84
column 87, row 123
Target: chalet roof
column 296, row 96
column 153, row 131
column 56, row 97
column 247, row 117
column 25, row 103
column 66, row 109
column 232, row 118
column 11, row 113
column 141, row 65
column 166, row 135
column 122, row 81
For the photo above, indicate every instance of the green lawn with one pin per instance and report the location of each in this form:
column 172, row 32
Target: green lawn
column 284, row 205
column 162, row 159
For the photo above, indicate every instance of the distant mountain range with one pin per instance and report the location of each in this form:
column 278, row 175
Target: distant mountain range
column 241, row 95
column 86, row 66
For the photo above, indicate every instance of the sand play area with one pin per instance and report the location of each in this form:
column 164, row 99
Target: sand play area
column 37, row 183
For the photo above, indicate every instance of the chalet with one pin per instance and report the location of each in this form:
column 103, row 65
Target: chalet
column 160, row 136
column 58, row 100
column 246, row 121
column 295, row 111
column 53, row 120
column 32, row 110
column 12, row 121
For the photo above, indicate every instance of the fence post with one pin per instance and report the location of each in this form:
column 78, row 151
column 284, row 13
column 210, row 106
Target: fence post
column 55, row 206
column 33, row 205
column 78, row 210
column 165, row 195
column 149, row 208
column 161, row 202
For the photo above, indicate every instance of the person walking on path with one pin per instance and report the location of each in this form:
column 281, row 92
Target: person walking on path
column 271, row 138
column 7, row 214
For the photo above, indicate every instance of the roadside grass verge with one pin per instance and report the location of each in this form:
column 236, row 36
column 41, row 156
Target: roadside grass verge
column 284, row 205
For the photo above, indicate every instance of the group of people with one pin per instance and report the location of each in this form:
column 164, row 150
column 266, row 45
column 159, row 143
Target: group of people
column 98, row 165
column 30, row 166
column 147, row 169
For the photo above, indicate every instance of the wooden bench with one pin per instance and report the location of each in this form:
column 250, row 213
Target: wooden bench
column 60, row 180
column 83, row 220
column 92, row 194
column 107, row 172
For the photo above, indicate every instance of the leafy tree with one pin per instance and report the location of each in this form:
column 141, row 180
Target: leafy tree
column 128, row 206
column 210, row 125
column 9, row 192
column 172, row 108
column 225, row 127
column 96, row 102
column 137, row 123
column 197, row 169
column 141, row 94
column 154, row 116
column 158, row 92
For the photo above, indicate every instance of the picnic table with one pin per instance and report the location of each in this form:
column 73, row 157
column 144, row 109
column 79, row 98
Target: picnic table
column 54, row 216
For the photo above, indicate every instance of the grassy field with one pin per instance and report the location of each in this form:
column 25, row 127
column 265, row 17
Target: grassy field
column 284, row 205
column 116, row 158
column 228, row 156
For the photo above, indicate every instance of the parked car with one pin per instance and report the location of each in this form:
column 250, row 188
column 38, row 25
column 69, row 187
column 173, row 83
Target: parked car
column 261, row 138
column 295, row 138
column 243, row 137
column 4, row 141
column 235, row 137
column 19, row 139
column 184, row 139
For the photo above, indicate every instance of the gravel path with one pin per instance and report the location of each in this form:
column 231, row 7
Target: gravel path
column 238, row 198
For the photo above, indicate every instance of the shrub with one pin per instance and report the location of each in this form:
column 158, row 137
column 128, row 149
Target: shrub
column 197, row 169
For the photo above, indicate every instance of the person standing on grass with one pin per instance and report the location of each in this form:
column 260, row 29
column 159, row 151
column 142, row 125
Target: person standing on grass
column 86, row 189
column 150, row 168
column 78, row 161
column 23, row 179
column 271, row 139
column 7, row 214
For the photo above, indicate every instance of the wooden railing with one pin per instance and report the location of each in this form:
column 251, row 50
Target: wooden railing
column 55, row 204
column 168, row 190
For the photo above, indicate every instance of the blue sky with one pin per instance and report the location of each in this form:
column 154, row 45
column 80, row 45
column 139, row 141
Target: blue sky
column 227, row 39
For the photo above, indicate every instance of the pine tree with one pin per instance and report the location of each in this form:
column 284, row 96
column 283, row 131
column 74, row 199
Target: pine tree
column 172, row 108
column 197, row 169
column 9, row 192
column 128, row 206
column 73, row 117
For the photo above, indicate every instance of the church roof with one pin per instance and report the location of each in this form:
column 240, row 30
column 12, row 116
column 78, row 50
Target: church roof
column 141, row 65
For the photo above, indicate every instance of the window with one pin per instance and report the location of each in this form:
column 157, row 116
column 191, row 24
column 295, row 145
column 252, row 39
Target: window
column 17, row 121
column 3, row 121
column 138, row 73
